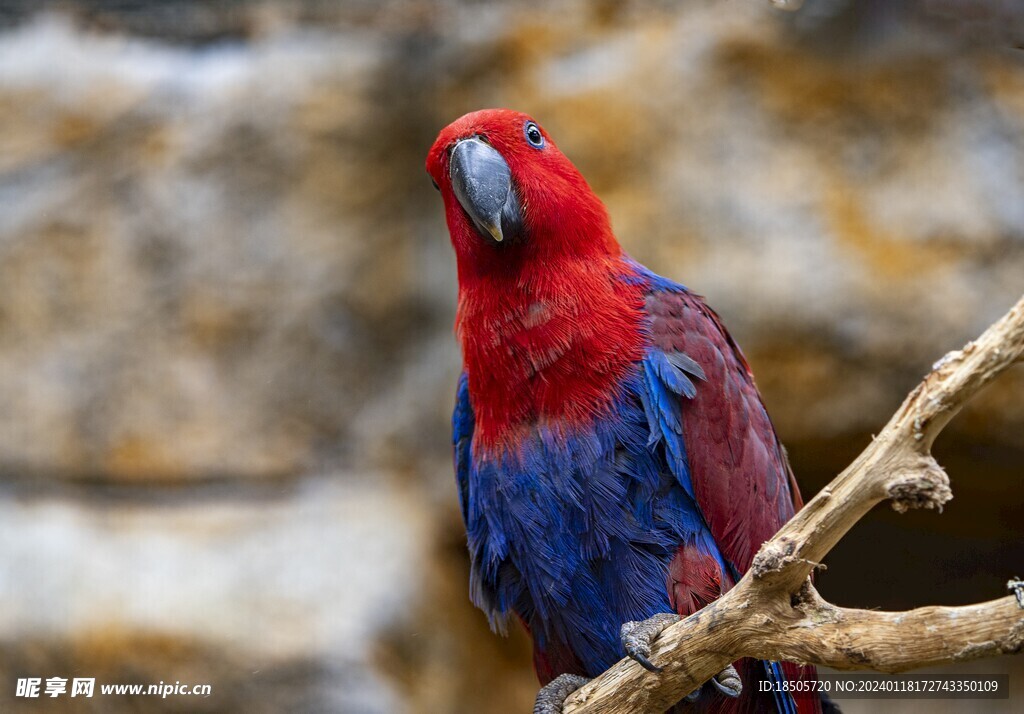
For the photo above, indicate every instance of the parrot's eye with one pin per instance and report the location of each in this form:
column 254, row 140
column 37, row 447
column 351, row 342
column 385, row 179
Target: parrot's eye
column 533, row 135
column 435, row 184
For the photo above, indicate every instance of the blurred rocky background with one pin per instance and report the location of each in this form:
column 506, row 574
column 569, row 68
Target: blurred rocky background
column 226, row 298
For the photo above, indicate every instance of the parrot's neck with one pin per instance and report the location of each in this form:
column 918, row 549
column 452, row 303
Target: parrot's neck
column 548, row 344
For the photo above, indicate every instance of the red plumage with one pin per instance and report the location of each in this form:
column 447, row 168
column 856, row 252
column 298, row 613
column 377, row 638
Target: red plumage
column 740, row 475
column 543, row 303
column 695, row 579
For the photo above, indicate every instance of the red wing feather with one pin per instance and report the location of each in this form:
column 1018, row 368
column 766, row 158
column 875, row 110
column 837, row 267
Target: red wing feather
column 740, row 476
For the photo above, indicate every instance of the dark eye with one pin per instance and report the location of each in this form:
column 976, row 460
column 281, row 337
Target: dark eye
column 533, row 135
column 435, row 184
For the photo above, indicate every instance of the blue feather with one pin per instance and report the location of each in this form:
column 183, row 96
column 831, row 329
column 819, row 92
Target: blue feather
column 574, row 531
column 671, row 375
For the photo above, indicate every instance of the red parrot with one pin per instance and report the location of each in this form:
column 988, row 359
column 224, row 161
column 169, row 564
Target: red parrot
column 616, row 467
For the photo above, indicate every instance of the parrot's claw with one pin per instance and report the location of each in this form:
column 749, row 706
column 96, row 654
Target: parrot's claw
column 638, row 636
column 728, row 682
column 1016, row 588
column 552, row 695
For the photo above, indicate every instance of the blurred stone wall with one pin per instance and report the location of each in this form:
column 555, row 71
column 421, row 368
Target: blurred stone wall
column 226, row 297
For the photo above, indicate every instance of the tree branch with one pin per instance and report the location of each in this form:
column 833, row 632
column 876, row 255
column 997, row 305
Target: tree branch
column 775, row 613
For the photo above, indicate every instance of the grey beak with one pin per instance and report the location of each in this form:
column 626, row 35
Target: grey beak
column 482, row 183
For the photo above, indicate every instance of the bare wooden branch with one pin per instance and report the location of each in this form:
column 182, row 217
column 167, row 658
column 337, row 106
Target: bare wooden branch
column 775, row 613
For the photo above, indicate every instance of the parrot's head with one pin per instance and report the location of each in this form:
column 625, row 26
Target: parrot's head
column 548, row 325
column 511, row 196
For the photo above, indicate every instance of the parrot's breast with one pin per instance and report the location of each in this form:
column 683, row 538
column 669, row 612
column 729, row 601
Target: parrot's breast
column 553, row 347
column 574, row 530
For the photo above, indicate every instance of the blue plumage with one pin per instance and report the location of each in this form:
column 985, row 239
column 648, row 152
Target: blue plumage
column 574, row 531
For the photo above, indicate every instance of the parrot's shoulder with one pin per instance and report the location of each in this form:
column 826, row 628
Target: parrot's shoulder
column 674, row 313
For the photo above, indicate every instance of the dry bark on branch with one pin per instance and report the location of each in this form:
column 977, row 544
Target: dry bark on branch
column 775, row 613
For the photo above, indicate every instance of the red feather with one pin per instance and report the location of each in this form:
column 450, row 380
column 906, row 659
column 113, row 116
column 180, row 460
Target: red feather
column 546, row 330
column 695, row 579
column 740, row 475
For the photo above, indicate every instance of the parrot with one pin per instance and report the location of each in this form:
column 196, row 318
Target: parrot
column 615, row 465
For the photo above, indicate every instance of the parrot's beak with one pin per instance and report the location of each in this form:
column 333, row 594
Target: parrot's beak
column 482, row 183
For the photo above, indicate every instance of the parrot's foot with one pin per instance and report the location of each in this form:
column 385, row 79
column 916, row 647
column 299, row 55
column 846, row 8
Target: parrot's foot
column 552, row 695
column 638, row 636
column 1016, row 588
column 727, row 681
